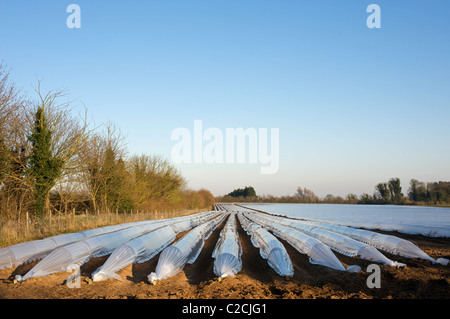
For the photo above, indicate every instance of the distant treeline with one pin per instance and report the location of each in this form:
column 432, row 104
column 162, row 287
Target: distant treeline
column 419, row 193
column 246, row 192
column 390, row 192
column 51, row 159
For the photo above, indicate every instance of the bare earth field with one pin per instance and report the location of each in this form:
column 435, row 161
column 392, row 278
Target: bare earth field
column 419, row 280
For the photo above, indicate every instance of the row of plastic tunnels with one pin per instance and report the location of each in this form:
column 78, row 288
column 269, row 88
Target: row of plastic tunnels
column 180, row 241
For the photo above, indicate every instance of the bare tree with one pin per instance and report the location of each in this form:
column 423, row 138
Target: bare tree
column 95, row 174
column 305, row 195
column 14, row 146
column 68, row 135
column 156, row 181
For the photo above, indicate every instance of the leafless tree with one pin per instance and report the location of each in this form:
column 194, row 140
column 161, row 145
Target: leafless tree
column 14, row 145
column 93, row 156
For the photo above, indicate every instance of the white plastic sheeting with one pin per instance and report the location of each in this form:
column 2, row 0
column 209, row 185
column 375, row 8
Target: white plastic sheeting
column 16, row 255
column 338, row 242
column 185, row 250
column 347, row 246
column 228, row 251
column 79, row 252
column 318, row 252
column 270, row 247
column 388, row 243
column 415, row 220
column 145, row 247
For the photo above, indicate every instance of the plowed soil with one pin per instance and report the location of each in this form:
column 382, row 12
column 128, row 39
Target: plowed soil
column 420, row 279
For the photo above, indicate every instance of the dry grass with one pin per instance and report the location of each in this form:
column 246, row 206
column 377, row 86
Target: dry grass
column 14, row 231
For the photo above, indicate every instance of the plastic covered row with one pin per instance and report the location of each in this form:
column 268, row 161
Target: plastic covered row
column 136, row 250
column 392, row 244
column 228, row 251
column 344, row 244
column 388, row 243
column 419, row 220
column 270, row 247
column 16, row 255
column 318, row 252
column 145, row 247
column 186, row 250
column 80, row 252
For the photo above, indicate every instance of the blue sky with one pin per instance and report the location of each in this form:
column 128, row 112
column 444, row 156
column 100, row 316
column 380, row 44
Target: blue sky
column 355, row 106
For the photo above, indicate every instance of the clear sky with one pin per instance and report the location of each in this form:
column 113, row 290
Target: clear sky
column 354, row 106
